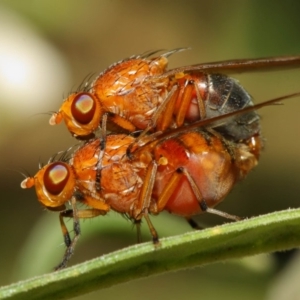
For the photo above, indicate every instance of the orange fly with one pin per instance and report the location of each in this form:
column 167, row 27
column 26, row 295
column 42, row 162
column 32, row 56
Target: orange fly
column 186, row 171
column 199, row 135
column 139, row 93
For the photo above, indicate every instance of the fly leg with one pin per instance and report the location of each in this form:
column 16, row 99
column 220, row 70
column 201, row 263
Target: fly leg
column 142, row 206
column 185, row 98
column 182, row 93
column 194, row 224
column 76, row 215
column 137, row 223
column 167, row 193
column 153, row 231
column 101, row 153
column 202, row 202
column 172, row 185
column 162, row 118
column 121, row 122
column 70, row 244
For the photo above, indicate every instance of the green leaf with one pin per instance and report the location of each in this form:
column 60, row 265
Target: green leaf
column 267, row 233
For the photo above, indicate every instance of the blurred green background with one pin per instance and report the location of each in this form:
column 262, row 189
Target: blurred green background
column 48, row 47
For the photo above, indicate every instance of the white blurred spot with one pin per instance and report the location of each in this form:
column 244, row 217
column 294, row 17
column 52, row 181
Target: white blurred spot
column 14, row 69
column 33, row 74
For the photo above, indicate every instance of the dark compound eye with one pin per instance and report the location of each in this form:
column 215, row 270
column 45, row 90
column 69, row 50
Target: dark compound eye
column 55, row 178
column 83, row 108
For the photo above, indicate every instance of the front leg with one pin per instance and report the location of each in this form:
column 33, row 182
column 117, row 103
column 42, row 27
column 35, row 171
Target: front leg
column 76, row 215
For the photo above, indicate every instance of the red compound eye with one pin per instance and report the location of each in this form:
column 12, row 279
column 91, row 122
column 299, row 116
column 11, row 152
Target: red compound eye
column 55, row 178
column 83, row 108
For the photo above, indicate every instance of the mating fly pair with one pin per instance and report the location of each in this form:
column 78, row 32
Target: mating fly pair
column 198, row 135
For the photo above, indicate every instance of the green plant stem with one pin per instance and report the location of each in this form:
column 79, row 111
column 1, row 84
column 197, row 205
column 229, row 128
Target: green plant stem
column 267, row 233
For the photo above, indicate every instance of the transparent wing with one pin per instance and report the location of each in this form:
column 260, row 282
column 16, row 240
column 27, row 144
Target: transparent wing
column 240, row 65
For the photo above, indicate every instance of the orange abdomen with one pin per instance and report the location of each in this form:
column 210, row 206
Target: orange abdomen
column 214, row 168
